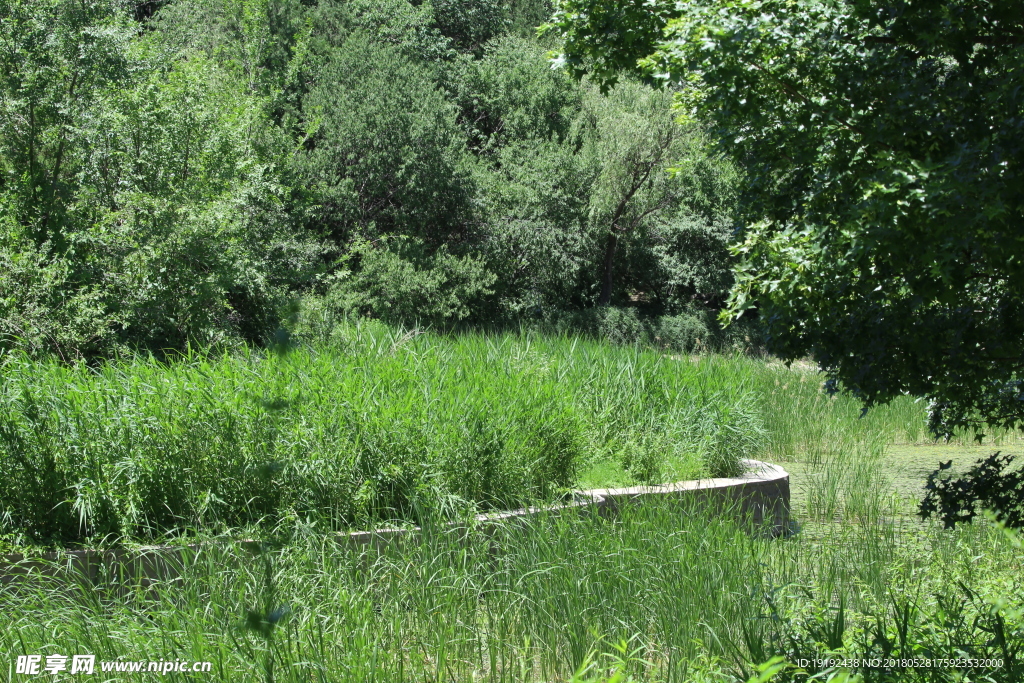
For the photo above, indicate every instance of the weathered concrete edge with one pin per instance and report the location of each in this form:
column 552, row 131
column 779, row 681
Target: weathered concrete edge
column 762, row 494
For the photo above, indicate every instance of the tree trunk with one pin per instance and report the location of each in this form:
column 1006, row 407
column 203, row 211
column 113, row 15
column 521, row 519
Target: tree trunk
column 609, row 269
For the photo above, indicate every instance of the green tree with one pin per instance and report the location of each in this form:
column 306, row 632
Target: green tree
column 56, row 57
column 511, row 94
column 582, row 205
column 635, row 141
column 471, row 23
column 383, row 153
column 141, row 206
column 883, row 204
column 539, row 240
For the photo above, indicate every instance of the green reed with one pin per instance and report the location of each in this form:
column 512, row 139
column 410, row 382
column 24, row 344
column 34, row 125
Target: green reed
column 696, row 596
column 663, row 592
column 365, row 430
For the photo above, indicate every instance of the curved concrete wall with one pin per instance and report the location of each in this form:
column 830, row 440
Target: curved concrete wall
column 760, row 496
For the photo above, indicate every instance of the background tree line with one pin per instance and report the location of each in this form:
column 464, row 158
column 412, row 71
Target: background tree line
column 198, row 172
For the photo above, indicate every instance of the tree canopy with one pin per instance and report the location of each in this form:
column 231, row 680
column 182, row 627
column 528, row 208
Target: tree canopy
column 882, row 206
column 192, row 172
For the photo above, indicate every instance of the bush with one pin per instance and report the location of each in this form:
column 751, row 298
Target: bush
column 42, row 309
column 621, row 326
column 685, row 332
column 147, row 203
column 398, row 280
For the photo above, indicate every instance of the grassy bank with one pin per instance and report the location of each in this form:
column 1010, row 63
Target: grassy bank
column 372, row 428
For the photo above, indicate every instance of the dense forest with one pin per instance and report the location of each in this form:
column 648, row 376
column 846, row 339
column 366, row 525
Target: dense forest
column 209, row 172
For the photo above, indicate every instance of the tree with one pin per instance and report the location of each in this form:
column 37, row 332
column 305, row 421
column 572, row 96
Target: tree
column 56, row 57
column 634, row 145
column 382, row 152
column 138, row 206
column 883, row 200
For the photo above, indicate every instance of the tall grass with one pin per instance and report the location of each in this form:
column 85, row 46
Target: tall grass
column 367, row 429
column 661, row 593
column 694, row 597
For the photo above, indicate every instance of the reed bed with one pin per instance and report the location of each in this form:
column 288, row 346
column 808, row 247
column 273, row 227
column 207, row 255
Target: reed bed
column 662, row 593
column 366, row 430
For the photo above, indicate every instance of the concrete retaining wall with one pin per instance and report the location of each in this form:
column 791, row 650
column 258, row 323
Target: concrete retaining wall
column 760, row 496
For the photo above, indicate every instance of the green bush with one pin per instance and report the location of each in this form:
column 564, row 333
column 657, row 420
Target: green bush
column 470, row 23
column 397, row 280
column 685, row 332
column 146, row 196
column 621, row 326
column 42, row 309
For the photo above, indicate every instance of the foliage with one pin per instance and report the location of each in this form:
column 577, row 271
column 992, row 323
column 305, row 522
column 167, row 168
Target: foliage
column 146, row 204
column 590, row 213
column 390, row 162
column 181, row 173
column 41, row 308
column 57, row 58
column 881, row 146
column 635, row 140
column 398, row 280
column 603, row 39
column 539, row 241
column 470, row 23
column 511, row 95
column 409, row 28
column 989, row 485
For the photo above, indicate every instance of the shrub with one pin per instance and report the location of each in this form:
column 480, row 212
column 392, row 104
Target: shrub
column 398, row 280
column 621, row 326
column 685, row 332
column 141, row 208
